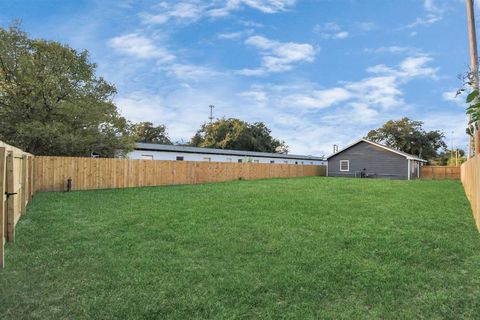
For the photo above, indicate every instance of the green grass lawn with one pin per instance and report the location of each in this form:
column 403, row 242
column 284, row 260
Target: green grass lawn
column 286, row 248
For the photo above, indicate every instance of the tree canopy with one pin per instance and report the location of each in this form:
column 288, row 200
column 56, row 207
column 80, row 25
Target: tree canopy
column 236, row 134
column 52, row 102
column 408, row 136
column 147, row 132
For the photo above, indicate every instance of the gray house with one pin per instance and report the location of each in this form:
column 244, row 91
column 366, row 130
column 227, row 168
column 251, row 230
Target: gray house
column 369, row 159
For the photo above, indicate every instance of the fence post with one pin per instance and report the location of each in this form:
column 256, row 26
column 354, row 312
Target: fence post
column 2, row 205
column 30, row 179
column 10, row 199
column 23, row 195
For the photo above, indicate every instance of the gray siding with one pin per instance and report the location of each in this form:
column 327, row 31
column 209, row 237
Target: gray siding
column 378, row 162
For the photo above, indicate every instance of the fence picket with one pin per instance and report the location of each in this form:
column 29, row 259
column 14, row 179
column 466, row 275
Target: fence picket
column 88, row 173
column 439, row 172
column 470, row 180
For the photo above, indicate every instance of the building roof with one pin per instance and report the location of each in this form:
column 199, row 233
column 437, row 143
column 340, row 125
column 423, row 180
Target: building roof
column 240, row 153
column 406, row 155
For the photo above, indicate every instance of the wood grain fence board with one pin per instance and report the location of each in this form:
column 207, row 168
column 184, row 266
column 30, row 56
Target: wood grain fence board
column 17, row 176
column 51, row 173
column 10, row 200
column 439, row 172
column 3, row 204
column 470, row 176
column 23, row 191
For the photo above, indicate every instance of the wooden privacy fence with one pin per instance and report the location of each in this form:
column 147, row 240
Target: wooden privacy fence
column 52, row 173
column 440, row 172
column 16, row 190
column 471, row 180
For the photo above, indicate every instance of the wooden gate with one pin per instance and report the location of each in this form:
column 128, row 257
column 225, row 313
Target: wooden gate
column 16, row 190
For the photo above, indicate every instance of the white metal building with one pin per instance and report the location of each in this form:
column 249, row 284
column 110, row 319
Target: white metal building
column 153, row 151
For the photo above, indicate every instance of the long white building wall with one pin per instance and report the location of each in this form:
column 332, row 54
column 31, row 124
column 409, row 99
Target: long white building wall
column 168, row 155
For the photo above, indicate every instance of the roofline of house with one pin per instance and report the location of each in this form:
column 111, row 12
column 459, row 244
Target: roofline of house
column 240, row 153
column 404, row 154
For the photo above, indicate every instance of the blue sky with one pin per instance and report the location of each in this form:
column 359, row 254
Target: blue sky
column 317, row 72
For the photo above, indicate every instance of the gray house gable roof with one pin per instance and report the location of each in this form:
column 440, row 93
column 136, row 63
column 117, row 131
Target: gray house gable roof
column 240, row 153
column 404, row 154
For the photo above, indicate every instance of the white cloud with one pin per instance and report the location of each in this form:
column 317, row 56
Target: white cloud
column 310, row 118
column 182, row 109
column 352, row 114
column 189, row 11
column 429, row 19
column 455, row 97
column 366, row 26
column 414, row 66
column 190, row 72
column 453, row 124
column 319, row 98
column 417, row 66
column 278, row 56
column 235, row 35
column 392, row 50
column 268, row 6
column 139, row 46
column 433, row 14
column 330, row 30
column 257, row 95
column 381, row 91
column 181, row 11
column 340, row 35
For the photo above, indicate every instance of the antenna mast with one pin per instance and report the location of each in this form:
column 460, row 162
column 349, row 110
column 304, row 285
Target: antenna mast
column 211, row 112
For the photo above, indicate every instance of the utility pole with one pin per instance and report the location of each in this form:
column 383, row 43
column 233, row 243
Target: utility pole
column 472, row 38
column 451, row 150
column 211, row 112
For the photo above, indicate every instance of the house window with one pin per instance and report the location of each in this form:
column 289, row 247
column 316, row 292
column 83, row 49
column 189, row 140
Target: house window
column 272, row 161
column 344, row 165
column 179, row 158
column 147, row 157
column 240, row 160
column 296, row 162
column 207, row 159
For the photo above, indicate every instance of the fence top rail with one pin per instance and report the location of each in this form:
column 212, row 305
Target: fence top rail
column 177, row 161
column 16, row 151
column 441, row 166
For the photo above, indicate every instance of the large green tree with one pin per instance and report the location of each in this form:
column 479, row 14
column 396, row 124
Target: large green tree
column 408, row 136
column 52, row 102
column 147, row 132
column 236, row 134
